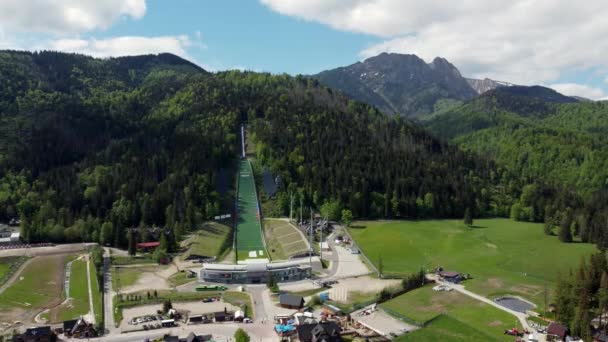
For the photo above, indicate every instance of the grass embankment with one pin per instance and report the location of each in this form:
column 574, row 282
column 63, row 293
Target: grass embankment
column 503, row 256
column 78, row 303
column 451, row 316
column 142, row 298
column 39, row 285
column 282, row 239
column 181, row 278
column 212, row 240
column 97, row 296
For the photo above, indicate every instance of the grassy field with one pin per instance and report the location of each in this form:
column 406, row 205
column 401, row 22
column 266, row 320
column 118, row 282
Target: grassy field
column 502, row 256
column 239, row 299
column 283, row 240
column 454, row 316
column 78, row 304
column 207, row 241
column 125, row 276
column 39, row 285
column 8, row 266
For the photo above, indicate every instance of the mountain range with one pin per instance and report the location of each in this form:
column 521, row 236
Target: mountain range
column 406, row 85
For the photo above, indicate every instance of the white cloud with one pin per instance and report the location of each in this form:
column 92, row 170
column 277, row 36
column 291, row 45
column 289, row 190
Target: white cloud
column 122, row 46
column 521, row 41
column 575, row 89
column 66, row 16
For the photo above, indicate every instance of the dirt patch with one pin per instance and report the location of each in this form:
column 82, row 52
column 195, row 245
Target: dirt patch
column 494, row 283
column 491, row 245
column 495, row 324
column 530, row 290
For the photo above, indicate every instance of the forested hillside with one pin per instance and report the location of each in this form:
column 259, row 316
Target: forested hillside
column 91, row 147
column 542, row 136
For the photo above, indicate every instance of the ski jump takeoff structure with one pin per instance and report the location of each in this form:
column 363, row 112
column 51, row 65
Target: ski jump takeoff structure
column 253, row 262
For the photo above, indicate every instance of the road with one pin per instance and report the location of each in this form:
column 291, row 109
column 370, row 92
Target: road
column 108, row 293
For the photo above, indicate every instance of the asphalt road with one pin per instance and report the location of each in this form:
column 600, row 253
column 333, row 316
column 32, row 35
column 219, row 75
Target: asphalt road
column 108, row 293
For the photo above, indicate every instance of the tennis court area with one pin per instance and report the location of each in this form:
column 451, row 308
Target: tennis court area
column 249, row 240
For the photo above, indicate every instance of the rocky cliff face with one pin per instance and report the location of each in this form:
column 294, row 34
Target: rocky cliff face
column 400, row 84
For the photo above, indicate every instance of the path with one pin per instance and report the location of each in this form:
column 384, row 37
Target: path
column 108, row 293
column 15, row 275
column 91, row 308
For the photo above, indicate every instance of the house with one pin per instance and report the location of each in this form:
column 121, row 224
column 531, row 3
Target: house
column 223, row 316
column 38, row 334
column 451, row 277
column 319, row 332
column 558, row 331
column 290, row 301
column 192, row 337
column 147, row 246
column 78, row 328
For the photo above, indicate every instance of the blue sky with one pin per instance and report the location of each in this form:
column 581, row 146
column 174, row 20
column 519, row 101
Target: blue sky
column 555, row 43
column 246, row 34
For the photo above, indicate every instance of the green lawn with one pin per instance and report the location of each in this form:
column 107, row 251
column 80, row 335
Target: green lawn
column 282, row 239
column 130, row 260
column 180, row 278
column 97, row 294
column 503, row 256
column 451, row 316
column 239, row 299
column 125, row 276
column 37, row 286
column 79, row 294
column 448, row 329
column 207, row 241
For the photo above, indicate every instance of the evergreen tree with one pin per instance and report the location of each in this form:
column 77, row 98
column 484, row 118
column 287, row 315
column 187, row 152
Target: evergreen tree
column 565, row 234
column 468, row 217
column 132, row 243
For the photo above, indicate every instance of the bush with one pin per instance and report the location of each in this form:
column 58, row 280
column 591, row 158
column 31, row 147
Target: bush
column 241, row 336
column 314, row 301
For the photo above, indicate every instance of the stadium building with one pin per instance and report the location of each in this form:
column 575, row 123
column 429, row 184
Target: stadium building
column 256, row 273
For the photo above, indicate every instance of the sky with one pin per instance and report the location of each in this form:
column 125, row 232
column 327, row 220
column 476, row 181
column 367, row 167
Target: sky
column 556, row 43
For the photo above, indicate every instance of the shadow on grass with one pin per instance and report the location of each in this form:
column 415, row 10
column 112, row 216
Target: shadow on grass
column 357, row 226
column 477, row 227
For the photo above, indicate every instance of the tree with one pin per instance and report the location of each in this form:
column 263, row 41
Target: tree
column 106, row 233
column 167, row 305
column 132, row 242
column 347, row 217
column 468, row 217
column 241, row 336
column 565, row 234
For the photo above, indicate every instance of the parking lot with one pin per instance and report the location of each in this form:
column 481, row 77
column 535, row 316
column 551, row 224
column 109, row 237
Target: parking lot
column 381, row 322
